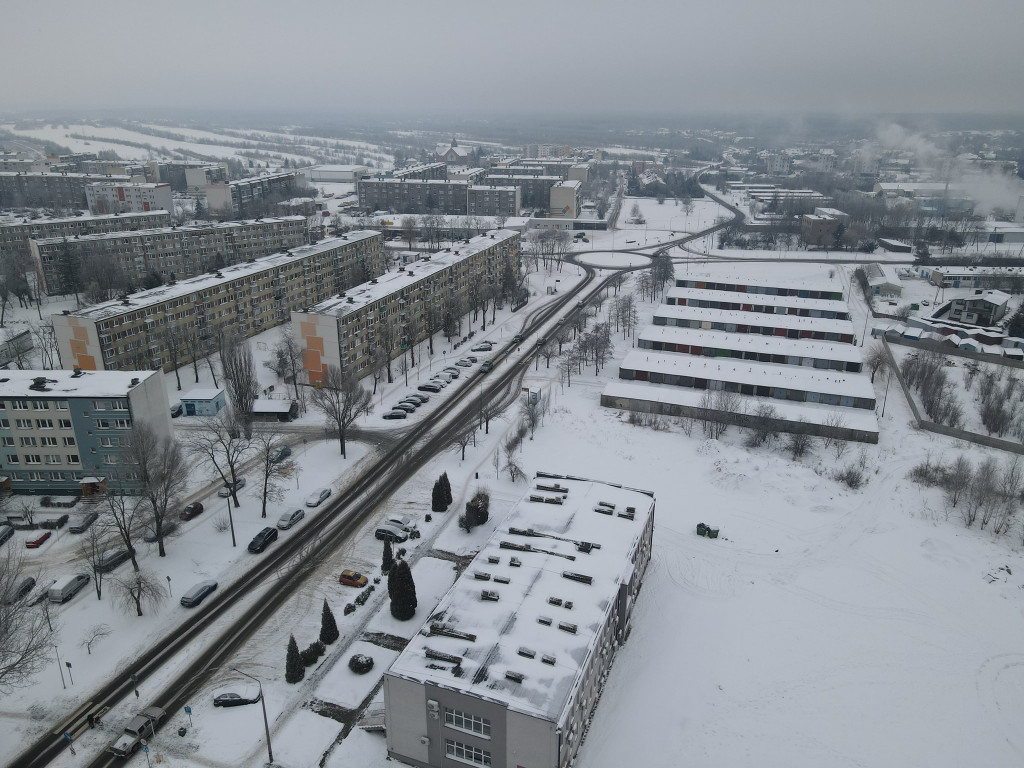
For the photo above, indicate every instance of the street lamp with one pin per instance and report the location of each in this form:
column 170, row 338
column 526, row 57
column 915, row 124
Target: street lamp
column 263, row 702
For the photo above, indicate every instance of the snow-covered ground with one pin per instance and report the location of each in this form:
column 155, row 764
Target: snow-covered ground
column 824, row 626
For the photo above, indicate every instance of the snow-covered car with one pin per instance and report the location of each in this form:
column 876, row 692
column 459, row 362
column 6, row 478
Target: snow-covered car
column 484, row 346
column 316, row 498
column 416, row 396
column 404, row 406
column 398, row 413
column 198, row 593
column 429, row 387
column 288, row 519
column 464, row 363
column 237, row 695
column 225, row 492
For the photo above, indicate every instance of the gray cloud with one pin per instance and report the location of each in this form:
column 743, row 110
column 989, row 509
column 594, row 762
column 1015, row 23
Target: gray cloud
column 474, row 58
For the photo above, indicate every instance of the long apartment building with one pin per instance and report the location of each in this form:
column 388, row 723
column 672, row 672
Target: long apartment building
column 344, row 330
column 449, row 197
column 61, row 431
column 174, row 323
column 509, row 667
column 55, row 190
column 171, row 252
column 424, row 172
column 15, row 234
column 534, row 191
column 245, row 196
column 115, row 197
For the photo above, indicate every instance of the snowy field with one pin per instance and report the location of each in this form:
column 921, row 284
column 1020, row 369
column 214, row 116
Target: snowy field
column 671, row 215
column 825, row 627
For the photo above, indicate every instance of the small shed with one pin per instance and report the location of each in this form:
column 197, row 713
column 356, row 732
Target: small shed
column 274, row 410
column 204, row 402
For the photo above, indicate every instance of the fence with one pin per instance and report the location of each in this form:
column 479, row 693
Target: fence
column 953, row 351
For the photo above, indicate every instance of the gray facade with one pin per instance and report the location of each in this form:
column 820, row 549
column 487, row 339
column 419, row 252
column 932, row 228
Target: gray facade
column 413, row 196
column 55, row 190
column 15, row 235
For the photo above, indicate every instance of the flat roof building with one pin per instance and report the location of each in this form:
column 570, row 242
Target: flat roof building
column 54, row 190
column 565, row 200
column 16, row 233
column 251, row 197
column 509, row 667
column 486, row 200
column 115, row 197
column 345, row 174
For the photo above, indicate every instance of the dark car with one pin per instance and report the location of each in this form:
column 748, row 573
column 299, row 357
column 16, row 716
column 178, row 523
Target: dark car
column 422, row 398
column 176, row 411
column 396, row 414
column 19, row 590
column 486, row 366
column 193, row 509
column 225, row 491
column 36, row 543
column 198, row 593
column 237, row 695
column 168, row 528
column 262, row 540
column 405, row 406
column 541, row 341
column 281, row 454
column 517, row 338
column 112, row 558
column 6, row 532
column 435, row 388
column 81, row 523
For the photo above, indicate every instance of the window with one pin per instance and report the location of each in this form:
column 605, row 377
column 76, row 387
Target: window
column 108, row 442
column 64, row 423
column 122, row 424
column 8, row 442
column 102, row 424
column 119, row 405
column 12, row 458
column 40, row 405
column 462, row 721
column 19, row 405
column 72, row 458
column 61, row 405
column 27, row 442
column 23, row 423
column 465, row 753
column 69, row 441
column 44, row 423
column 51, row 441
column 109, row 459
column 98, row 405
column 33, row 458
column 52, row 458
column 5, row 423
column 38, row 476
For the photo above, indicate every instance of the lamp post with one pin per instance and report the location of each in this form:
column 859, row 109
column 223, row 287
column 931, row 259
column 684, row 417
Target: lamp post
column 263, row 702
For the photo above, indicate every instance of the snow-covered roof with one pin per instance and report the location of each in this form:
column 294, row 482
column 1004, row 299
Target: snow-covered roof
column 61, row 383
column 186, row 229
column 763, row 299
column 998, row 298
column 22, row 221
column 202, row 282
column 105, row 176
column 813, row 413
column 132, row 184
column 756, row 374
column 736, row 317
column 751, row 342
column 261, row 405
column 957, row 271
column 409, row 274
column 469, row 643
column 794, row 276
column 201, row 393
column 882, row 274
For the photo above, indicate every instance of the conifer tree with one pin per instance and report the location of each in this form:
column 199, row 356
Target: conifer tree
column 389, row 558
column 328, row 626
column 447, row 484
column 402, row 591
column 437, row 498
column 294, row 669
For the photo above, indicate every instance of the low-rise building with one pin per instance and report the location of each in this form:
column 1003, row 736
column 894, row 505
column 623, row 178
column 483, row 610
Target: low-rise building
column 16, row 233
column 171, row 325
column 204, row 401
column 1008, row 278
column 170, row 252
column 113, row 197
column 510, row 665
column 770, row 303
column 883, row 280
column 62, row 431
column 983, row 308
column 198, row 179
column 345, row 174
column 399, row 309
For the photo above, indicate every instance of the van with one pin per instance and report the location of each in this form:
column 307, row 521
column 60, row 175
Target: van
column 64, row 589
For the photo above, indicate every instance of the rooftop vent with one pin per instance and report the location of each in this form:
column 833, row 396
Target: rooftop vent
column 548, row 659
column 606, row 504
column 441, row 656
column 580, row 577
column 528, row 653
column 584, row 547
column 568, row 605
column 603, row 510
column 77, row 373
column 515, row 677
column 501, row 580
column 565, row 626
column 134, row 382
column 554, row 601
column 629, row 514
column 493, row 559
column 515, row 562
column 481, row 576
column 489, row 595
column 444, row 629
column 545, row 620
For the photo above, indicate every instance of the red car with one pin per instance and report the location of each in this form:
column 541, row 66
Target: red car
column 191, row 510
column 36, row 543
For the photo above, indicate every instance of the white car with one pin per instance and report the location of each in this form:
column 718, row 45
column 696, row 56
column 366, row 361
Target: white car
column 316, row 498
column 401, row 523
column 288, row 519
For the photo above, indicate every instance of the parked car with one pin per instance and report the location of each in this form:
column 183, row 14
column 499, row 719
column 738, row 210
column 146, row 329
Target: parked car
column 428, row 387
column 19, row 590
column 288, row 519
column 262, row 540
column 176, row 410
column 237, row 695
column 281, row 454
column 486, row 366
column 396, row 414
column 485, row 346
column 416, row 396
column 193, row 509
column 225, row 492
column 81, row 523
column 404, row 406
column 401, row 523
column 6, row 531
column 441, row 379
column 517, row 338
column 390, row 533
column 64, row 589
column 352, row 579
column 112, row 558
column 472, row 358
column 198, row 593
column 453, row 371
column 464, row 363
column 39, row 541
column 316, row 498
column 169, row 527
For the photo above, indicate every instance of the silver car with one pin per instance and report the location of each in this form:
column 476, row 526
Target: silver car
column 288, row 519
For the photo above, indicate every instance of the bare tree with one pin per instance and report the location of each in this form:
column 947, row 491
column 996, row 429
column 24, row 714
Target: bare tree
column 46, row 343
column 273, row 470
column 958, row 478
column 94, row 543
column 221, row 441
column 530, row 412
column 342, row 400
column 240, row 378
column 162, row 473
column 94, row 634
column 138, row 590
column 463, row 438
column 286, row 362
column 876, row 359
column 25, row 641
column 409, row 230
column 486, row 411
column 124, row 516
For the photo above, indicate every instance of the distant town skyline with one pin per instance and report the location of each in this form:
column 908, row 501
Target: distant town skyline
column 470, row 59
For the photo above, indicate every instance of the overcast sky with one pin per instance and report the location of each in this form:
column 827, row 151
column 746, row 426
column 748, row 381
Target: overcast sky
column 472, row 59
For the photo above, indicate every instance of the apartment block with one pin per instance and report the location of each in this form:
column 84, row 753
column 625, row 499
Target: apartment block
column 53, row 190
column 400, row 308
column 414, row 196
column 425, row 172
column 61, row 431
column 112, row 197
column 171, row 252
column 250, row 197
column 492, row 201
column 198, row 179
column 534, row 191
column 171, row 325
column 566, row 200
column 16, row 233
column 509, row 667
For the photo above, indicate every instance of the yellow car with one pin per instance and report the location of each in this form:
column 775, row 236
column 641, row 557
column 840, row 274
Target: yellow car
column 352, row 579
